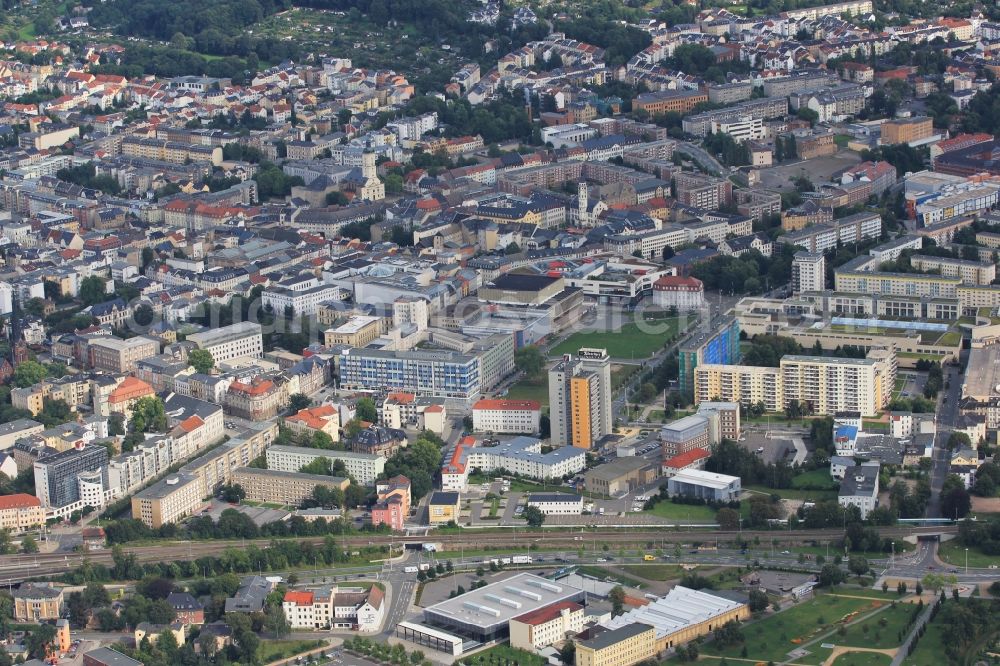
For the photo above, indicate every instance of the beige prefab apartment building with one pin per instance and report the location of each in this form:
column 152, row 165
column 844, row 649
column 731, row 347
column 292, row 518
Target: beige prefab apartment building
column 167, row 501
column 745, row 384
column 827, row 384
column 288, row 488
column 969, row 272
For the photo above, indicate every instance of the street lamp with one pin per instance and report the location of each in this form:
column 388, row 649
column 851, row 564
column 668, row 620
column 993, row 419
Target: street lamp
column 966, row 561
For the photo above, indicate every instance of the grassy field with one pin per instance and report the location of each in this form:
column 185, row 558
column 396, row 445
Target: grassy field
column 954, row 553
column 863, row 659
column 794, row 493
column 631, row 341
column 881, row 631
column 655, row 571
column 930, row 647
column 530, row 390
column 505, row 654
column 773, row 638
column 273, row 650
column 686, row 512
column 603, row 574
column 815, row 479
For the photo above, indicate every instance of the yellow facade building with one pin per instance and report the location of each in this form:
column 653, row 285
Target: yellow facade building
column 627, row 645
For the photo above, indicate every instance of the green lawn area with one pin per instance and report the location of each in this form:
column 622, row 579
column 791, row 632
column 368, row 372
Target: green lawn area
column 273, row 650
column 951, row 338
column 880, row 631
column 818, row 478
column 505, row 654
column 655, row 571
column 863, row 659
column 686, row 512
column 631, row 341
column 930, row 648
column 772, row 639
column 603, row 574
column 878, row 426
column 794, row 493
column 954, row 553
column 530, row 390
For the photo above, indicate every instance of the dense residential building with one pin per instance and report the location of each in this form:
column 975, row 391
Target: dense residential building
column 860, row 488
column 392, row 503
column 506, row 416
column 110, row 354
column 580, row 398
column 20, row 512
column 907, row 130
column 545, row 626
column 35, row 602
column 626, row 645
column 683, row 435
column 324, row 418
column 719, row 344
column 287, row 488
column 808, row 272
column 443, row 508
column 229, row 342
column 825, row 384
column 680, row 101
column 257, row 400
column 334, row 607
column 364, row 467
column 167, row 501
column 440, row 374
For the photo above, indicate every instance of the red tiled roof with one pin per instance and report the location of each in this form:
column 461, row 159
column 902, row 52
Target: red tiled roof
column 685, row 459
column 130, row 389
column 315, row 418
column 192, row 423
column 548, row 613
column 18, row 501
column 299, row 598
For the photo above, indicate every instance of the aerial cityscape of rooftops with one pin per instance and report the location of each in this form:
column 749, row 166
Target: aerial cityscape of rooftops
column 499, row 332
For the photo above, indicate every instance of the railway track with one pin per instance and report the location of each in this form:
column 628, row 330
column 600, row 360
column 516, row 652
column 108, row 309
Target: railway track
column 14, row 568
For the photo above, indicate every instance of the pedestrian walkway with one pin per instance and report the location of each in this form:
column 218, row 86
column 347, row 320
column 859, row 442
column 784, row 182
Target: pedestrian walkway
column 904, row 649
column 842, row 649
column 801, row 452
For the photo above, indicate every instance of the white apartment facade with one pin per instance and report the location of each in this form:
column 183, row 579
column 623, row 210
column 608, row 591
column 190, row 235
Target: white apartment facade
column 506, row 416
column 229, row 342
column 364, row 467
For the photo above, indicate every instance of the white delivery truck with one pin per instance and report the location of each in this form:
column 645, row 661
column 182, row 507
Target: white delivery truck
column 410, row 569
column 521, row 559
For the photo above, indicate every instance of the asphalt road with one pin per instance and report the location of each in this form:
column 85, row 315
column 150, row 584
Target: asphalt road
column 701, row 156
column 947, row 417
